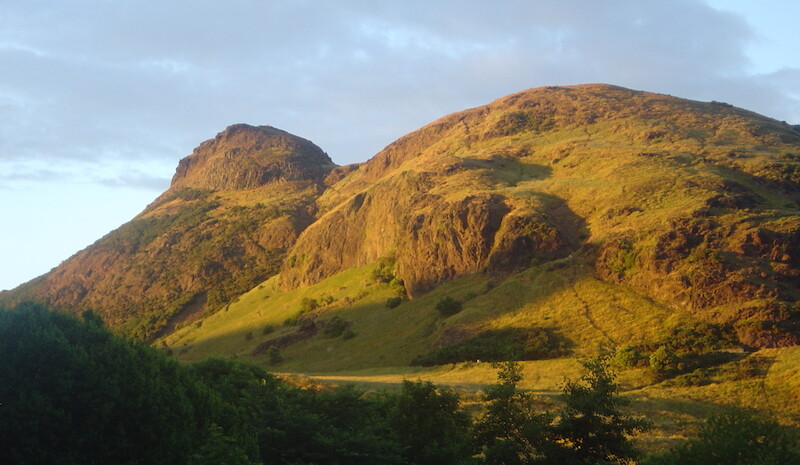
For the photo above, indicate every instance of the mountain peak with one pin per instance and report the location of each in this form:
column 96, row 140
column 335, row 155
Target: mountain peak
column 244, row 156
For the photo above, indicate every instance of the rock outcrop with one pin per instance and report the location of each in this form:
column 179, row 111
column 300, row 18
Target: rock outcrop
column 244, row 157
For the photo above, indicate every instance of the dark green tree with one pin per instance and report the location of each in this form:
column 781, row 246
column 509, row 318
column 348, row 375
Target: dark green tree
column 219, row 448
column 73, row 393
column 274, row 356
column 663, row 362
column 734, row 437
column 510, row 432
column 591, row 427
column 340, row 426
column 428, row 423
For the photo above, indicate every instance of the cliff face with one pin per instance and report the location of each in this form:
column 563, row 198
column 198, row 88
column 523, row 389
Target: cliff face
column 694, row 205
column 435, row 238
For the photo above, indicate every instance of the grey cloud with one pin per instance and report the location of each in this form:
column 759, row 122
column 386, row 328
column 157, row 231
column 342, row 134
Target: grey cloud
column 92, row 81
column 22, row 176
column 137, row 181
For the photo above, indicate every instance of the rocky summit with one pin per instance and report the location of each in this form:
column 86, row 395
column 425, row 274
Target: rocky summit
column 693, row 207
column 246, row 157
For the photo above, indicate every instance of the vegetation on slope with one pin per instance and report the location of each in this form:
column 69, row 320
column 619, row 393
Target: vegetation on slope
column 75, row 393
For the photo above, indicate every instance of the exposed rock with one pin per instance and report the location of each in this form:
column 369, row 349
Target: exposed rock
column 244, row 156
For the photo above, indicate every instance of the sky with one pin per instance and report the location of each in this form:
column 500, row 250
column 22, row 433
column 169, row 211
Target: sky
column 99, row 99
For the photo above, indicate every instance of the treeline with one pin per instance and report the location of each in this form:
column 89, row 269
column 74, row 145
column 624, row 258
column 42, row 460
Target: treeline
column 73, row 393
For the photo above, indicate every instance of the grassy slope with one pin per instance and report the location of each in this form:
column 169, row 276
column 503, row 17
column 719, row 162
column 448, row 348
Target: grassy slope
column 584, row 310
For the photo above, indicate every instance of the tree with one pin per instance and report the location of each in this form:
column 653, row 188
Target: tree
column 734, row 437
column 274, row 356
column 510, row 431
column 219, row 448
column 73, row 393
column 591, row 428
column 428, row 423
column 626, row 357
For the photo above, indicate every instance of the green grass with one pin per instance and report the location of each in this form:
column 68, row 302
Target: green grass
column 563, row 297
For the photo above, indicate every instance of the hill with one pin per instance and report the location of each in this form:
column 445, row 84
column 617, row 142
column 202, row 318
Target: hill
column 235, row 206
column 585, row 211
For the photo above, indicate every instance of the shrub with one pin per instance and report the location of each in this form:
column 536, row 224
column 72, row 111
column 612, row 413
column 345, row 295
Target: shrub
column 700, row 337
column 448, row 306
column 663, row 362
column 308, row 304
column 399, row 288
column 393, row 302
column 384, row 272
column 735, row 437
column 274, row 356
column 334, row 327
column 626, row 357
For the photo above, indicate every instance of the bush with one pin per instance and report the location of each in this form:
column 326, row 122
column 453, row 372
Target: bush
column 384, row 272
column 448, row 306
column 399, row 288
column 308, row 304
column 663, row 362
column 274, row 356
column 334, row 327
column 626, row 357
column 393, row 302
column 700, row 337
